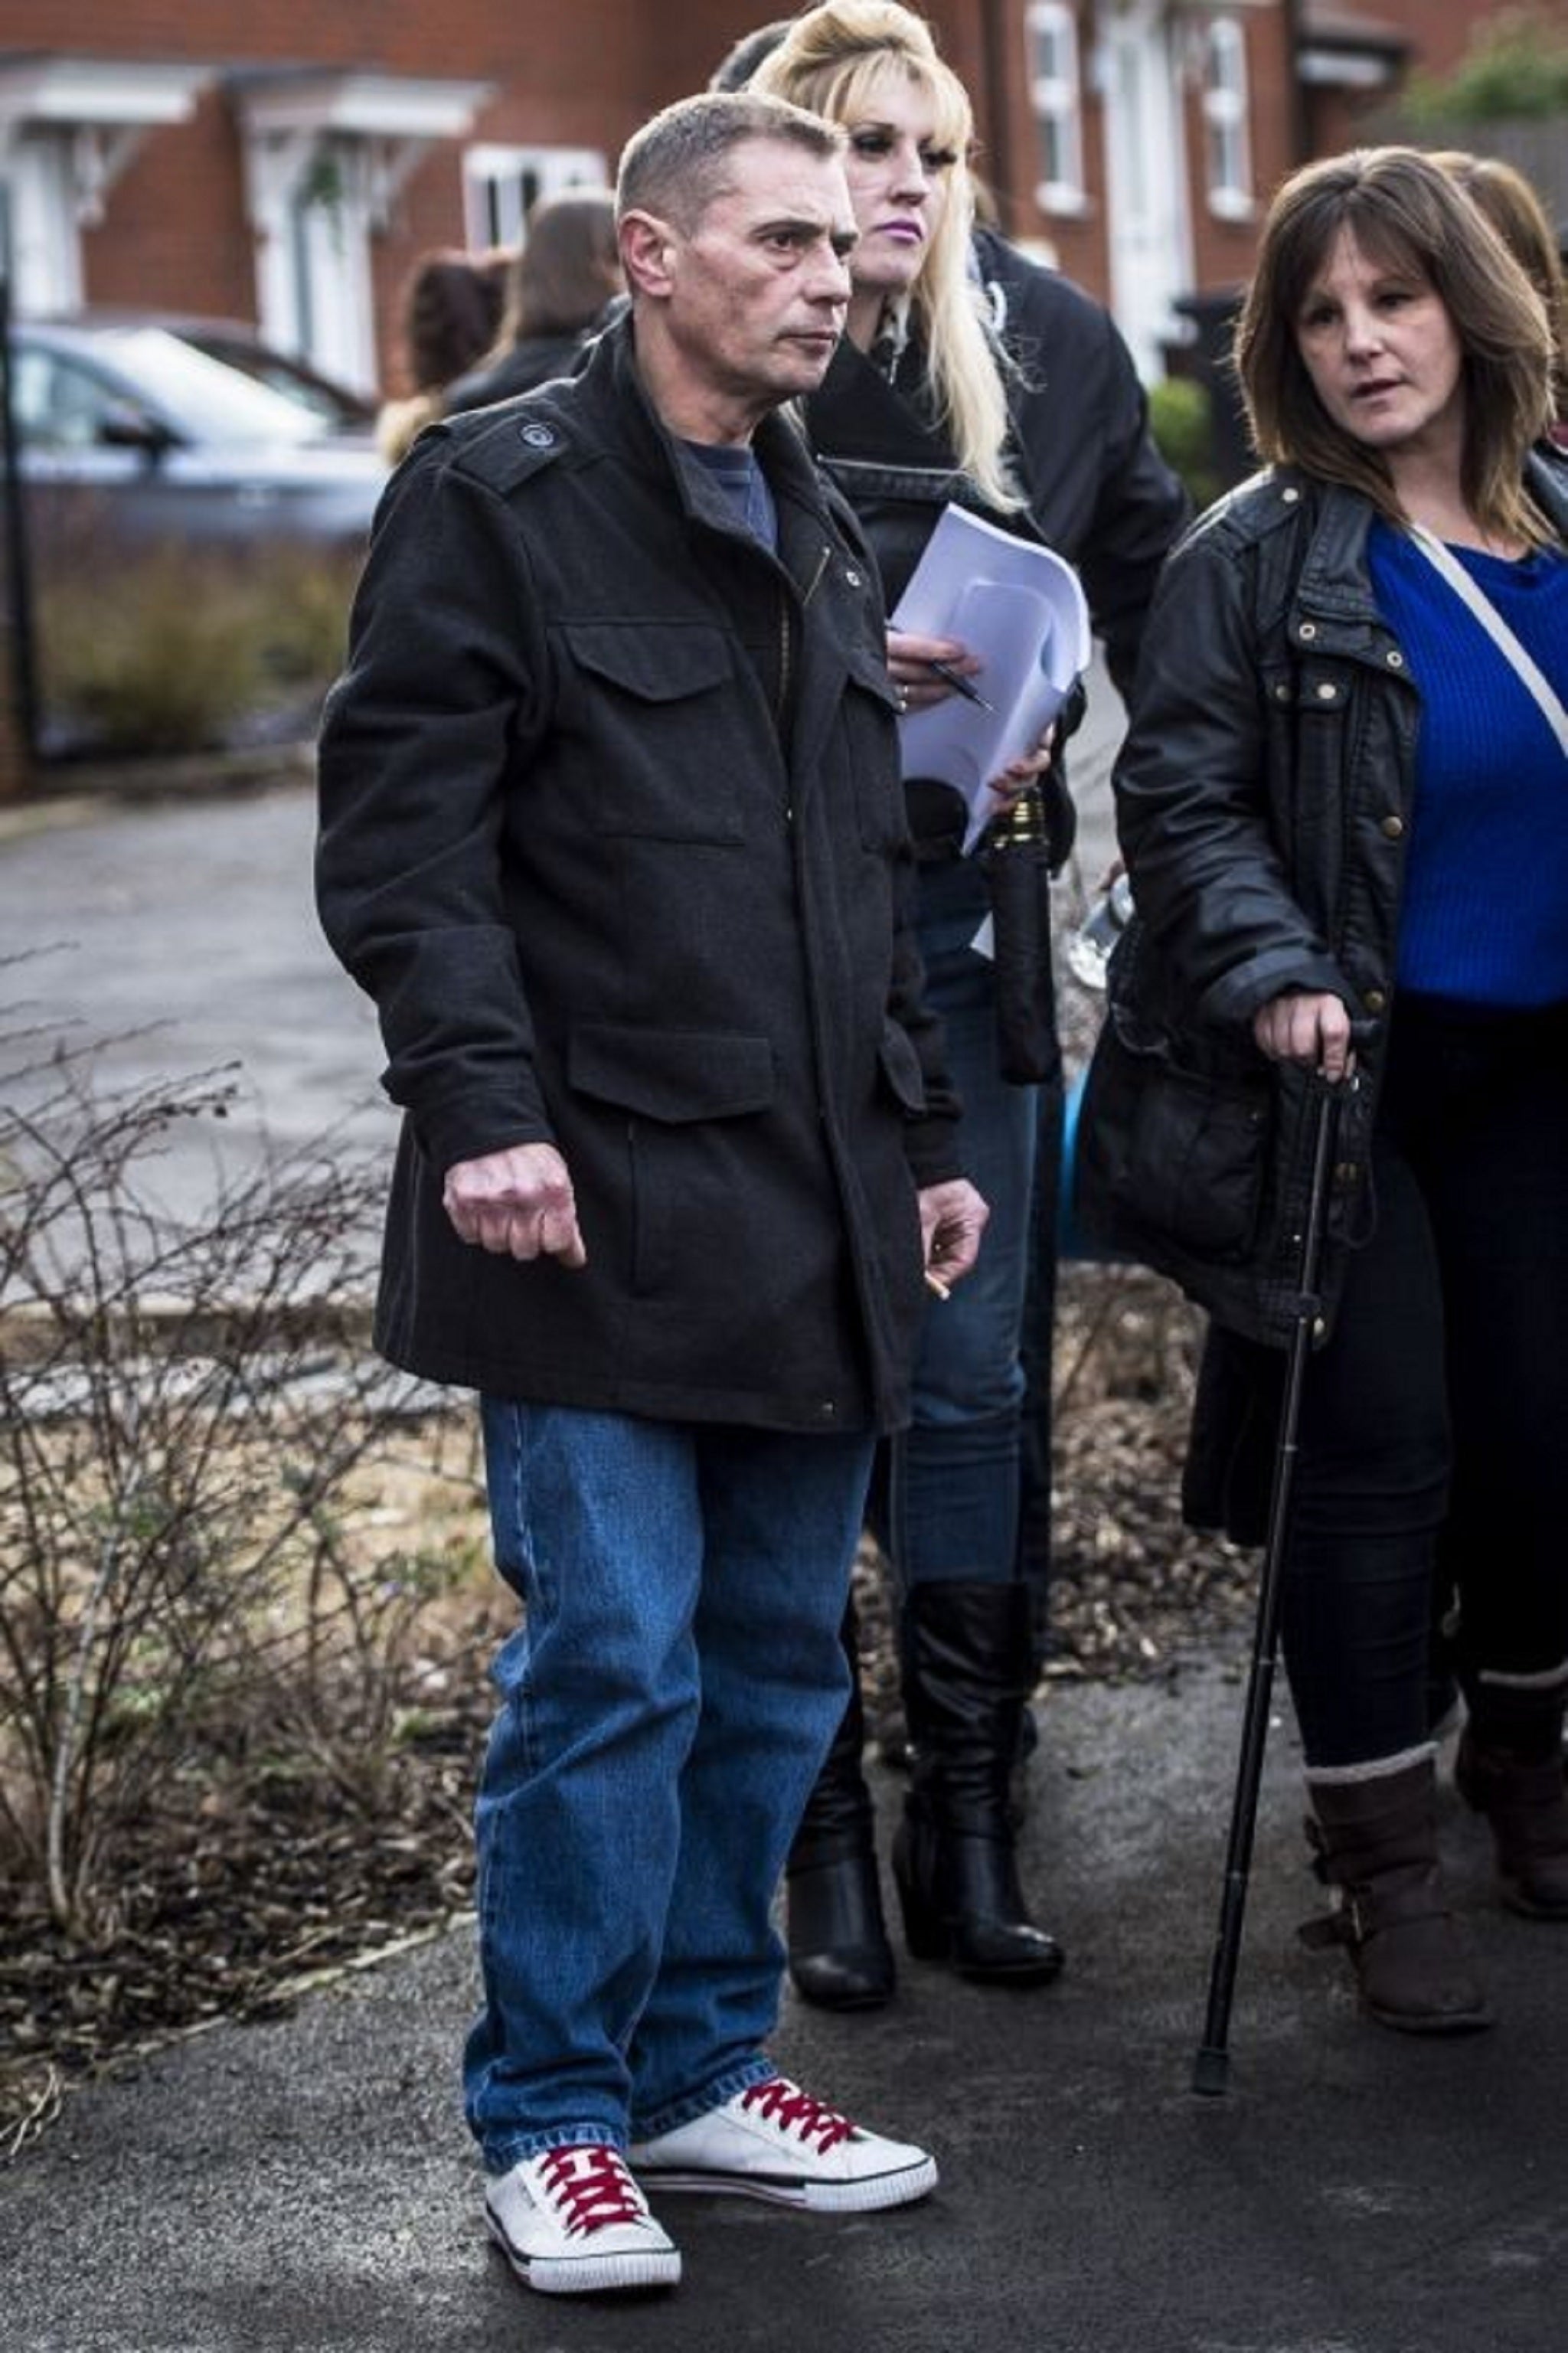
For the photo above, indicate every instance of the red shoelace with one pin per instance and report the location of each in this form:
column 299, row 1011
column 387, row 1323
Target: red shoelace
column 784, row 2104
column 593, row 2187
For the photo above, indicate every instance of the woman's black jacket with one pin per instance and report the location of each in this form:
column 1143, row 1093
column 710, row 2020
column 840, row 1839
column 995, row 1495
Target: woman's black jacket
column 1263, row 801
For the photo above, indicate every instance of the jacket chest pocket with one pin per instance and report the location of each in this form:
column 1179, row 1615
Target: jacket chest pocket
column 658, row 710
column 1314, row 709
column 870, row 713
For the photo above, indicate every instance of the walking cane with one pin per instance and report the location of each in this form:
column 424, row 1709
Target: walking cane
column 1211, row 2067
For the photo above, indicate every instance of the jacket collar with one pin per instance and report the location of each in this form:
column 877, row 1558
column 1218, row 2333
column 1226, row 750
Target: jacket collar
column 612, row 387
column 1334, row 588
column 1546, row 478
column 623, row 418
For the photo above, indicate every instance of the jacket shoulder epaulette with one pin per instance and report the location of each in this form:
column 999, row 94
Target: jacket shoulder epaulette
column 506, row 446
column 1267, row 502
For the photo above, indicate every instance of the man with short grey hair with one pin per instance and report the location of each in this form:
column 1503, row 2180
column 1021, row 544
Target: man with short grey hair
column 611, row 831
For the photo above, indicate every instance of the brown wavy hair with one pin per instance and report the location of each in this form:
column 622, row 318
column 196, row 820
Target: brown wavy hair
column 1405, row 212
column 1519, row 217
column 566, row 270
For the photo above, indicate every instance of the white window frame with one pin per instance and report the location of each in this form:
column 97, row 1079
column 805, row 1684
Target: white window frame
column 501, row 182
column 69, row 127
column 326, row 156
column 1226, row 108
column 1055, row 84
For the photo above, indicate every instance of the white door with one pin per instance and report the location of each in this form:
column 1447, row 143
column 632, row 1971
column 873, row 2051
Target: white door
column 331, row 257
column 1150, row 261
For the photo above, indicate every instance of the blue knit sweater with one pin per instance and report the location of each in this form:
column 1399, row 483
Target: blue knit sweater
column 1485, row 914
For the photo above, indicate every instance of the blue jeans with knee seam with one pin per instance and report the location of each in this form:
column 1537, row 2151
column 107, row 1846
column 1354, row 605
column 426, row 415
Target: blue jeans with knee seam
column 953, row 1510
column 665, row 1706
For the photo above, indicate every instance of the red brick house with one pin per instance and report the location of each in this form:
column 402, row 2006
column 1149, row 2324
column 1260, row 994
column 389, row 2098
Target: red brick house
column 286, row 162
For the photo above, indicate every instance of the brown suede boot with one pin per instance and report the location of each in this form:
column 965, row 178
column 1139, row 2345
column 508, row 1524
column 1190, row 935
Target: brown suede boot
column 1509, row 1768
column 1376, row 1842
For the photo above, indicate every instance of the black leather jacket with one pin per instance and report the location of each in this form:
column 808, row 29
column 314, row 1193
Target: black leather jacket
column 1263, row 803
column 1099, row 492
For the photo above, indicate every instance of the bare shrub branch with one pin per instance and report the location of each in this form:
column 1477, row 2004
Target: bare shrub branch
column 185, row 1406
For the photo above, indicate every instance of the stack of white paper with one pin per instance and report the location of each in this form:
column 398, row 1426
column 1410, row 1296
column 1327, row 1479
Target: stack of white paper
column 1020, row 607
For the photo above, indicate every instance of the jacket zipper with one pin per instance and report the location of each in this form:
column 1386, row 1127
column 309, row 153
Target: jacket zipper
column 787, row 663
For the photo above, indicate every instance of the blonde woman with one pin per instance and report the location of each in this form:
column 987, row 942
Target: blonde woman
column 966, row 373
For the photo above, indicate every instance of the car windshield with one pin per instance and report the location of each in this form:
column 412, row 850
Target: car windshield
column 203, row 399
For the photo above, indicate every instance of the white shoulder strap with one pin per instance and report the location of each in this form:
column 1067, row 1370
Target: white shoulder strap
column 1531, row 675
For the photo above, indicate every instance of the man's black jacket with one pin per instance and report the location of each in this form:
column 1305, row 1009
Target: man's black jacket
column 611, row 832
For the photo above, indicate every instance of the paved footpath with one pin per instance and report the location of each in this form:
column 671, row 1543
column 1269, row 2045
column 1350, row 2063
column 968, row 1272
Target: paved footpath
column 306, row 2186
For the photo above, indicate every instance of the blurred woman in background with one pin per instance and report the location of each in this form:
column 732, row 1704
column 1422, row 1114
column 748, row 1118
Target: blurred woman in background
column 565, row 273
column 450, row 311
column 1509, row 201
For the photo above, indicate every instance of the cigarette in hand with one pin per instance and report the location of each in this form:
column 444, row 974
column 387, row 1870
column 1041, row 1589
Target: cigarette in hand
column 934, row 1282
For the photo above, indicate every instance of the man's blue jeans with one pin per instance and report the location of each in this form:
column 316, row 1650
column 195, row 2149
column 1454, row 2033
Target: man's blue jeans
column 665, row 1704
column 954, row 1473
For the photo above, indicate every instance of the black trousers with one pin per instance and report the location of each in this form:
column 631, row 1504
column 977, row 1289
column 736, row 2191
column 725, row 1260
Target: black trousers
column 1434, row 1420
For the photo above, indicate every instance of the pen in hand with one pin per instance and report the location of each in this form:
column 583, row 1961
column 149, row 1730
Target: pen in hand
column 960, row 684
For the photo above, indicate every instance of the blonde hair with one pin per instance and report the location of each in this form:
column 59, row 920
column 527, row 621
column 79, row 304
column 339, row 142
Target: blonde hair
column 1403, row 209
column 831, row 60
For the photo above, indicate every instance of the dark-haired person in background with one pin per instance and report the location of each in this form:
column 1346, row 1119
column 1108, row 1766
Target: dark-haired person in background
column 565, row 273
column 448, row 314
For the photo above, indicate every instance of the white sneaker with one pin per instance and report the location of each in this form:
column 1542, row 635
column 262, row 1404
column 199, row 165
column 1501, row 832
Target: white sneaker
column 776, row 2142
column 574, row 2222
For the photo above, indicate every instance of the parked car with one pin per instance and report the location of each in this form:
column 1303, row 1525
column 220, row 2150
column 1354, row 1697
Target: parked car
column 238, row 345
column 194, row 535
column 130, row 435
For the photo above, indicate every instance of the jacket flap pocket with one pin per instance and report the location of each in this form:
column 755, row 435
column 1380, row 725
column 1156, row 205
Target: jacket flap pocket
column 671, row 1074
column 655, row 660
column 901, row 1066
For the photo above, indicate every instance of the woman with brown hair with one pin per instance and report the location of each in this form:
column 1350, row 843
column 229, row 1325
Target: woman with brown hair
column 1343, row 810
column 450, row 309
column 567, row 268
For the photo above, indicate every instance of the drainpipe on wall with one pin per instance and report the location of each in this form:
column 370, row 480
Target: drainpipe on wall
column 1298, row 127
column 998, row 24
column 18, row 692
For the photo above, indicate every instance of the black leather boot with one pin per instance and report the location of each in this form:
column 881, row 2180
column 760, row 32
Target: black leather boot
column 1376, row 1842
column 1509, row 1768
column 967, row 1661
column 839, row 1957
